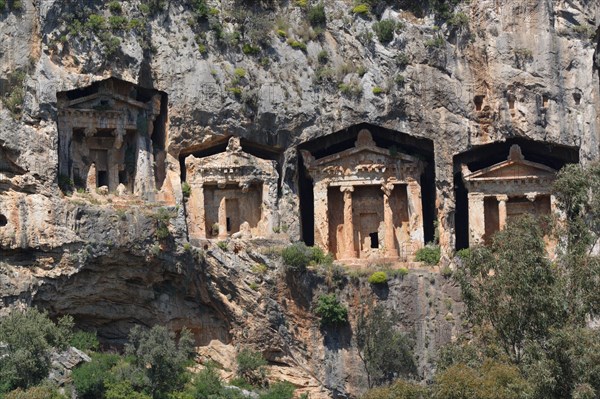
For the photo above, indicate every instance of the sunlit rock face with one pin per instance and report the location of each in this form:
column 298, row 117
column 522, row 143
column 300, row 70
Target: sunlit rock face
column 443, row 97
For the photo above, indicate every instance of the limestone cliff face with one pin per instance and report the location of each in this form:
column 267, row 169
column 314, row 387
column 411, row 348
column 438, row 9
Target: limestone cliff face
column 524, row 69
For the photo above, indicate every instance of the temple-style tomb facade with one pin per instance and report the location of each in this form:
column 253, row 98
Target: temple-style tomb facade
column 506, row 190
column 367, row 202
column 105, row 137
column 233, row 194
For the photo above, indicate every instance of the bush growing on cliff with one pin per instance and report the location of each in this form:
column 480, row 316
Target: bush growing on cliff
column 429, row 254
column 386, row 353
column 251, row 367
column 160, row 358
column 316, row 15
column 27, row 339
column 90, row 379
column 331, row 310
column 378, row 278
column 385, row 29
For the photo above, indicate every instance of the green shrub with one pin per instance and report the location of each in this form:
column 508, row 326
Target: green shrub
column 251, row 366
column 2, row 5
column 163, row 217
column 323, row 57
column 429, row 254
column 260, row 268
column 239, row 73
column 223, row 245
column 446, row 272
column 249, row 49
column 115, row 7
column 90, row 378
column 331, row 311
column 207, row 383
column 350, row 89
column 464, row 253
column 378, row 278
column 378, row 90
column 361, row 9
column 15, row 95
column 281, row 33
column 96, row 23
column 186, row 189
column 316, row 15
column 28, row 337
column 118, row 22
column 85, row 341
column 399, row 79
column 459, row 20
column 402, row 60
column 296, row 256
column 384, row 30
column 401, row 272
column 46, row 391
column 160, row 358
column 295, row 44
column 123, row 389
column 135, row 23
column 436, row 42
column 279, row 390
column 236, row 91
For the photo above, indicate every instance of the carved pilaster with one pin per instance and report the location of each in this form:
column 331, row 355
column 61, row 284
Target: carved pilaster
column 349, row 251
column 388, row 219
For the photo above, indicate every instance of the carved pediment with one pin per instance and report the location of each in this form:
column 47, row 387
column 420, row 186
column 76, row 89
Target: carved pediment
column 514, row 168
column 365, row 157
column 231, row 164
column 104, row 102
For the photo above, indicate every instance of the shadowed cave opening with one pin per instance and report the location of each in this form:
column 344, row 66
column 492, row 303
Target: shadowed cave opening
column 3, row 220
column 479, row 157
column 384, row 138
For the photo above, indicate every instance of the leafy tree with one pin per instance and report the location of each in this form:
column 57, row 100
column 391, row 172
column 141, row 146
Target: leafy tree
column 331, row 310
column 512, row 286
column 45, row 391
column 160, row 358
column 90, row 379
column 279, row 390
column 400, row 389
column 85, row 341
column 386, row 353
column 493, row 380
column 27, row 338
column 251, row 367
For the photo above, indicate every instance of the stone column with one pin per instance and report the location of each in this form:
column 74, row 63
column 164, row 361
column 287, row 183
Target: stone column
column 415, row 212
column 222, row 219
column 321, row 220
column 388, row 219
column 196, row 211
column 501, row 210
column 476, row 218
column 349, row 251
column 65, row 132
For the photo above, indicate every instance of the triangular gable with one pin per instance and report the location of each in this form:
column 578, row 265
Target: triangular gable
column 91, row 101
column 516, row 167
column 364, row 149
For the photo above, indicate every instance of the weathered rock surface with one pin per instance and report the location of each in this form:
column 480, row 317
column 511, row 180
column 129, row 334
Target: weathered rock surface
column 98, row 257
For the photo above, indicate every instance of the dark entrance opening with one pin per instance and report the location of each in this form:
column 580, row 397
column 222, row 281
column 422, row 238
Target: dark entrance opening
column 374, row 240
column 385, row 138
column 228, row 224
column 3, row 221
column 479, row 157
column 102, row 178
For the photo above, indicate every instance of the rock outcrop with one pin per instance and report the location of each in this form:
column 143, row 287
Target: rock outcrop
column 501, row 72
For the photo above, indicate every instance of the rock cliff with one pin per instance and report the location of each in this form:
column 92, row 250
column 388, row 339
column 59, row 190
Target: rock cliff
column 488, row 72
